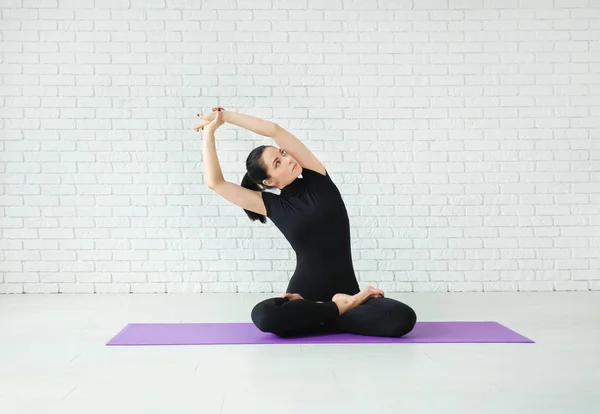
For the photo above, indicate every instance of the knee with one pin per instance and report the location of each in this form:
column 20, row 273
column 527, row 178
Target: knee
column 265, row 315
column 403, row 320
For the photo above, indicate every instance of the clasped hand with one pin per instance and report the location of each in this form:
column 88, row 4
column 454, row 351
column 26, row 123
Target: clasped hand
column 212, row 121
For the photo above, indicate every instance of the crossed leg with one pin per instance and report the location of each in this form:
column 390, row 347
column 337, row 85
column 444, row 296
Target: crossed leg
column 379, row 317
column 366, row 313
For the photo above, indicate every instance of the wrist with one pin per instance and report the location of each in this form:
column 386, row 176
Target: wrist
column 226, row 116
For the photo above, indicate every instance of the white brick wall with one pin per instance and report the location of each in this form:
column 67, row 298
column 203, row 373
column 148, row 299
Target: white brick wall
column 464, row 136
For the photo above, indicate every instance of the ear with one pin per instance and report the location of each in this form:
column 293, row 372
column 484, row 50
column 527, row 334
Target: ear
column 268, row 182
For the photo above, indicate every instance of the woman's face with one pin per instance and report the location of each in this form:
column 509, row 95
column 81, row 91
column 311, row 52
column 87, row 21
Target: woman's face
column 281, row 167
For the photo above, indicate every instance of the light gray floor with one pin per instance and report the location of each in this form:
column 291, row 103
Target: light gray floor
column 53, row 359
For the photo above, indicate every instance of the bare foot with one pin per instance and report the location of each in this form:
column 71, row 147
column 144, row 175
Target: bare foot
column 346, row 302
column 373, row 292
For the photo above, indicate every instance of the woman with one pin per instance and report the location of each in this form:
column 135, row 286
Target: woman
column 323, row 294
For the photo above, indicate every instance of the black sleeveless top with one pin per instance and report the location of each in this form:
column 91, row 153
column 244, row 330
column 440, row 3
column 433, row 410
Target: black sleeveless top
column 312, row 216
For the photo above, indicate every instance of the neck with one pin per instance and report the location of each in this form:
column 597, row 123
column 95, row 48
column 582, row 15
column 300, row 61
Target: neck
column 293, row 185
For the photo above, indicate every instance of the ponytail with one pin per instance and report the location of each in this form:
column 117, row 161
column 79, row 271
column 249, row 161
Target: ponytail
column 248, row 183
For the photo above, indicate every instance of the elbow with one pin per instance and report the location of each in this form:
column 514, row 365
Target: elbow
column 213, row 186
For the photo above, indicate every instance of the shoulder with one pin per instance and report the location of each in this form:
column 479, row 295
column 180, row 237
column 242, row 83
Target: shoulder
column 312, row 173
column 315, row 178
column 318, row 168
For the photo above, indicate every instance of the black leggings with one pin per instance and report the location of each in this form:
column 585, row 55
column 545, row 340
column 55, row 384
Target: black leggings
column 375, row 317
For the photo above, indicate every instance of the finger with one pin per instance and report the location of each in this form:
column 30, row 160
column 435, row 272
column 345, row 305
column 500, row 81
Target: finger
column 200, row 126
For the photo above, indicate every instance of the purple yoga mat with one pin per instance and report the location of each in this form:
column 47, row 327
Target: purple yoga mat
column 137, row 334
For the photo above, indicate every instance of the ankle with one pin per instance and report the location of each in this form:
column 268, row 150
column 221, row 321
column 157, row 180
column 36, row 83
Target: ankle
column 344, row 302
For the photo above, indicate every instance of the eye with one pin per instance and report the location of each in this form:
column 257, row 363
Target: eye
column 282, row 153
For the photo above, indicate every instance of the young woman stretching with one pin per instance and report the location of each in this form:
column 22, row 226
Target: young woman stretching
column 323, row 295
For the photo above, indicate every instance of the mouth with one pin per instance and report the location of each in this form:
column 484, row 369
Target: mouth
column 294, row 167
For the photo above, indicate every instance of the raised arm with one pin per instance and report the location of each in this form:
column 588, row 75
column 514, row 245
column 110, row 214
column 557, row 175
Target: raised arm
column 236, row 194
column 281, row 136
column 257, row 125
column 214, row 175
column 251, row 123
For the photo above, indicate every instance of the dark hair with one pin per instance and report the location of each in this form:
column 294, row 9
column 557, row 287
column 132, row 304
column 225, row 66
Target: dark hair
column 255, row 174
